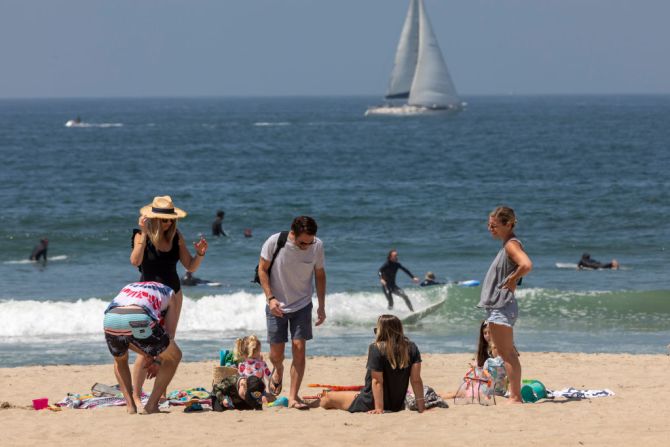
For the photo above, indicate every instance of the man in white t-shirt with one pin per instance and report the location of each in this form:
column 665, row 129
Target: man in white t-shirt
column 288, row 284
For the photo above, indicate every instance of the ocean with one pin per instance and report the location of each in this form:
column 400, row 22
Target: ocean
column 584, row 174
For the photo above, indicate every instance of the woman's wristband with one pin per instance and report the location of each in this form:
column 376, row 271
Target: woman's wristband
column 202, row 255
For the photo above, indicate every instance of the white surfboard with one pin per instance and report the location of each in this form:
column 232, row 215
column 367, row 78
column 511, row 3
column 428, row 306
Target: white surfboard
column 423, row 313
column 566, row 265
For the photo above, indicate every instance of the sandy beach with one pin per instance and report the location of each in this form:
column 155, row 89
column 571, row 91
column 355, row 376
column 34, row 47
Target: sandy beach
column 636, row 414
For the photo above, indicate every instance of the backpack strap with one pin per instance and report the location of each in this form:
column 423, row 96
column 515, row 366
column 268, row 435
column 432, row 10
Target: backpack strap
column 281, row 242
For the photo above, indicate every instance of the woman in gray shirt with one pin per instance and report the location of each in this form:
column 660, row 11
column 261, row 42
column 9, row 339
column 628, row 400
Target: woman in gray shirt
column 509, row 266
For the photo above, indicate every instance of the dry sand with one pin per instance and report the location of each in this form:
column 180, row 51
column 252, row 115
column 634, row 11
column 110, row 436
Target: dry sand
column 638, row 414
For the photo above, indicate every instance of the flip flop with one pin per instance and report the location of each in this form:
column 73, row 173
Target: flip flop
column 276, row 387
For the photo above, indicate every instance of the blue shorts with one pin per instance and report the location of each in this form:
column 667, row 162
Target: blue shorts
column 300, row 323
column 505, row 315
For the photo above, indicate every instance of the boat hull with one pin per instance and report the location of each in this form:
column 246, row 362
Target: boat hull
column 407, row 110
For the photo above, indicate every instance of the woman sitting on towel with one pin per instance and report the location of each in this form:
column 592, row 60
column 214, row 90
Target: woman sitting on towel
column 393, row 362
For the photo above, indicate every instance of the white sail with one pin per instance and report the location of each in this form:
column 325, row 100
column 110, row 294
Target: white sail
column 432, row 85
column 406, row 55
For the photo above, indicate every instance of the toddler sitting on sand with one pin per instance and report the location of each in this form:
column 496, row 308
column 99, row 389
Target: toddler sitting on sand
column 250, row 362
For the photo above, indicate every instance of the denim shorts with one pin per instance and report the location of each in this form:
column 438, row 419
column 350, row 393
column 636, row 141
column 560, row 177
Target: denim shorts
column 505, row 315
column 299, row 322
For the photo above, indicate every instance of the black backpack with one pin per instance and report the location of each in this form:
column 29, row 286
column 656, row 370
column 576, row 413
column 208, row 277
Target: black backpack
column 283, row 236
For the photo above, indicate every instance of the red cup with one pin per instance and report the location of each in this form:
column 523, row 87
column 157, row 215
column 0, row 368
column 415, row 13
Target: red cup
column 40, row 404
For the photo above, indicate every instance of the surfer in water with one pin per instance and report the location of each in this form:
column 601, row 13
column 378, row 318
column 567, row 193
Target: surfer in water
column 387, row 274
column 429, row 280
column 217, row 225
column 189, row 280
column 40, row 250
column 588, row 263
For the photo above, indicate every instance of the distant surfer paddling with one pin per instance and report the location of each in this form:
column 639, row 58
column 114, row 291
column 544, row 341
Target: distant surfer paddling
column 387, row 274
column 588, row 263
column 189, row 280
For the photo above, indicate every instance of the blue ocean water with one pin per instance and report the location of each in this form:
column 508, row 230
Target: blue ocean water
column 584, row 173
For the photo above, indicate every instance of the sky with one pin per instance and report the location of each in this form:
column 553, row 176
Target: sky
column 130, row 48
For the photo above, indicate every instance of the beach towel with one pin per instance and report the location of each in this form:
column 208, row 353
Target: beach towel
column 431, row 399
column 574, row 393
column 89, row 401
column 182, row 397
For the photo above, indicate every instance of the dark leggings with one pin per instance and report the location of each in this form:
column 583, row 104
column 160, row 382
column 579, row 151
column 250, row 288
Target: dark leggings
column 389, row 291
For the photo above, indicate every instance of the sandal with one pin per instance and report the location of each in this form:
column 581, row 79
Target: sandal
column 275, row 387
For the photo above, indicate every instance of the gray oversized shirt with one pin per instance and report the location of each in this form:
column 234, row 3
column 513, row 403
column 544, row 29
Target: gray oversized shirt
column 493, row 295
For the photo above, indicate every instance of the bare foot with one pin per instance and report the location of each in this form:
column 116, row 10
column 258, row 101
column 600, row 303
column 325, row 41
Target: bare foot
column 137, row 403
column 152, row 410
column 242, row 388
column 131, row 408
column 298, row 404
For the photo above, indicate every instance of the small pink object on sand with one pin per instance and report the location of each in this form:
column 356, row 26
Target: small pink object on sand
column 40, row 404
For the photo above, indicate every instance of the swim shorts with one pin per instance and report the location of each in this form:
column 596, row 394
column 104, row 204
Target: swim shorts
column 125, row 326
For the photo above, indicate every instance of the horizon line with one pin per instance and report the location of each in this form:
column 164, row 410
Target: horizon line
column 335, row 95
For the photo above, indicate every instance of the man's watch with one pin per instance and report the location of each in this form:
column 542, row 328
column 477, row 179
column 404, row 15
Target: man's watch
column 270, row 298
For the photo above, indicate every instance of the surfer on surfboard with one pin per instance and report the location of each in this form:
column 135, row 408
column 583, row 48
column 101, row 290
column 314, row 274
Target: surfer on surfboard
column 387, row 274
column 588, row 263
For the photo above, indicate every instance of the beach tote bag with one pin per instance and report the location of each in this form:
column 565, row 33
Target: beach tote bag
column 477, row 386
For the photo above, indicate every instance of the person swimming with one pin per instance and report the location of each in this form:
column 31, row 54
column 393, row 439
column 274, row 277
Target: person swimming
column 588, row 263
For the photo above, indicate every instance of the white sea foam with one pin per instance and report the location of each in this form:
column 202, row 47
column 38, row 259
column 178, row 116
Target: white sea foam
column 101, row 125
column 28, row 261
column 238, row 311
column 269, row 124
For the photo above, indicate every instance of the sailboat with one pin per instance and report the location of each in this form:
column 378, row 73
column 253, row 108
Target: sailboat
column 420, row 74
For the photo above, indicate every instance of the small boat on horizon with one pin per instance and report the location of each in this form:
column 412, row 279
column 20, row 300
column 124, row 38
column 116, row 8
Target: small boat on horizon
column 420, row 74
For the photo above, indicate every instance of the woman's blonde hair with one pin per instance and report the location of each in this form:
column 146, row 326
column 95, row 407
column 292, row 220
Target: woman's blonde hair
column 504, row 214
column 245, row 347
column 391, row 341
column 155, row 230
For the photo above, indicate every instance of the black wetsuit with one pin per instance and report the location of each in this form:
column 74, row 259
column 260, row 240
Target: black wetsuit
column 40, row 251
column 388, row 273
column 217, row 227
column 192, row 281
column 430, row 282
column 160, row 266
column 588, row 263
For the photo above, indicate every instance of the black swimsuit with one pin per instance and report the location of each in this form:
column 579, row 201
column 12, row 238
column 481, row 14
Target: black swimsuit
column 160, row 266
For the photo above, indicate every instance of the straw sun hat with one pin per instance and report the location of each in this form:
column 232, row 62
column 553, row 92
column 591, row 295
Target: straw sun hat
column 163, row 208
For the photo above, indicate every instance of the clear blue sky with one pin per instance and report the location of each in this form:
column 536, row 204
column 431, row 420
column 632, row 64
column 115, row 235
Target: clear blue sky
column 73, row 48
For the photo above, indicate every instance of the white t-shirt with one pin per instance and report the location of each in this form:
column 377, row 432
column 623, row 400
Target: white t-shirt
column 153, row 297
column 291, row 278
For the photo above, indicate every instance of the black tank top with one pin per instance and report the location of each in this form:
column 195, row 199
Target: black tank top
column 160, row 266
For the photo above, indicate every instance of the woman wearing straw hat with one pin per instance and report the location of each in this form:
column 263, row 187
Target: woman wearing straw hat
column 157, row 247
